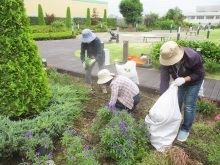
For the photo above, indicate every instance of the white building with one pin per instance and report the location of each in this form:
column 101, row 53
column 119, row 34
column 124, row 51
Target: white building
column 204, row 15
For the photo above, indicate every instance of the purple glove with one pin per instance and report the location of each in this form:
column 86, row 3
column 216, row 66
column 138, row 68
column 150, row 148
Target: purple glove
column 111, row 107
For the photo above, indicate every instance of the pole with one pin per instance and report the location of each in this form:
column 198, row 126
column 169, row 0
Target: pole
column 73, row 28
column 117, row 35
column 178, row 33
column 208, row 32
column 125, row 51
column 198, row 29
column 171, row 28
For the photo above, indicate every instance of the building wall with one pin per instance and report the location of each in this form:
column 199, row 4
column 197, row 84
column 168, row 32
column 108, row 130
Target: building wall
column 78, row 8
column 204, row 15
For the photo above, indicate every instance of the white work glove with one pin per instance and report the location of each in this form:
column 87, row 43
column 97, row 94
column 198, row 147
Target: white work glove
column 179, row 81
column 91, row 62
column 84, row 65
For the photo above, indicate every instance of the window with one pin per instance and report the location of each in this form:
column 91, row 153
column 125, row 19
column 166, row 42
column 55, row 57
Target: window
column 191, row 17
column 218, row 17
column 209, row 17
column 200, row 17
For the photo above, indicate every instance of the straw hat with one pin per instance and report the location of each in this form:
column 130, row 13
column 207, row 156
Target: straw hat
column 87, row 36
column 104, row 76
column 170, row 53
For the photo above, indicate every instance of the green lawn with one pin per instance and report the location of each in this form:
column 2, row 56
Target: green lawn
column 214, row 35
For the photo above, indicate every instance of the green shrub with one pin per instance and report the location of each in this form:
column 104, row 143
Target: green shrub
column 214, row 151
column 57, row 24
column 24, row 88
column 206, row 106
column 122, row 139
column 209, row 51
column 88, row 18
column 217, row 125
column 75, row 152
column 41, row 20
column 68, row 18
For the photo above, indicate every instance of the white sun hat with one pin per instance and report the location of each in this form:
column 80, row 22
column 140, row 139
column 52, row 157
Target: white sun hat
column 87, row 36
column 170, row 53
column 104, row 76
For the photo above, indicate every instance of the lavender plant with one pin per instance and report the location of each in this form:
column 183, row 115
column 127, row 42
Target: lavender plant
column 75, row 151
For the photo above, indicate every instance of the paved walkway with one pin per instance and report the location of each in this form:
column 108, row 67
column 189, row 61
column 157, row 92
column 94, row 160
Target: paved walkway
column 60, row 53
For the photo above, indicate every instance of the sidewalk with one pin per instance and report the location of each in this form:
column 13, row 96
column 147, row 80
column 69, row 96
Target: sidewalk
column 60, row 54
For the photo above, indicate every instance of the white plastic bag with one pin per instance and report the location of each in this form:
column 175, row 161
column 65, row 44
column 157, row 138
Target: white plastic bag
column 164, row 119
column 129, row 70
column 201, row 91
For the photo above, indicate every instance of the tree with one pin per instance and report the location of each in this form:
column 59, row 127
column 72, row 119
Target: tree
column 68, row 18
column 131, row 11
column 24, row 88
column 150, row 19
column 105, row 18
column 175, row 14
column 95, row 16
column 88, row 18
column 41, row 20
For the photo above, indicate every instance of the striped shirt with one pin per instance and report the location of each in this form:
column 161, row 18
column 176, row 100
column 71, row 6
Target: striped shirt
column 123, row 89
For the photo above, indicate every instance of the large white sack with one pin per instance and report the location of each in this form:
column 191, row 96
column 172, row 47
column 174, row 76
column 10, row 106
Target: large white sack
column 164, row 119
column 129, row 70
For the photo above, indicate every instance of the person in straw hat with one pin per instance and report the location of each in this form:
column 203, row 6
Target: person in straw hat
column 95, row 53
column 125, row 93
column 186, row 68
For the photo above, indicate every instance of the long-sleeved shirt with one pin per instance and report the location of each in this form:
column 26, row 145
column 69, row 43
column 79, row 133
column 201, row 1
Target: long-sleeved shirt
column 94, row 48
column 190, row 65
column 123, row 89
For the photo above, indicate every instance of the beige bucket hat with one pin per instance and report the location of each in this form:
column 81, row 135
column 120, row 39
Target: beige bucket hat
column 104, row 76
column 170, row 53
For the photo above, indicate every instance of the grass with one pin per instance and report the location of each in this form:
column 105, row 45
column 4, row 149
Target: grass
column 214, row 35
column 116, row 50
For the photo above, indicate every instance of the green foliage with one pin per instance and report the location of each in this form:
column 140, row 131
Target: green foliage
column 68, row 18
column 131, row 11
column 41, row 20
column 206, row 106
column 58, row 24
column 164, row 24
column 122, row 139
column 176, row 15
column 24, row 88
column 88, row 18
column 210, row 53
column 150, row 19
column 104, row 20
column 25, row 136
column 214, row 150
column 112, row 22
column 75, row 152
column 217, row 125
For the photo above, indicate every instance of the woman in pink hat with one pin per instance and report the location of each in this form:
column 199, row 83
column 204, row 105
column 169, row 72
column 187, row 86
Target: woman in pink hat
column 185, row 66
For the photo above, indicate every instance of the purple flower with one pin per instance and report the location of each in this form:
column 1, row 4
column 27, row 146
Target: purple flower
column 29, row 135
column 86, row 148
column 46, row 145
column 50, row 155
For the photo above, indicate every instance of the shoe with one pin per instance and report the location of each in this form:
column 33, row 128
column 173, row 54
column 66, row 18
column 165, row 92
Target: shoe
column 182, row 136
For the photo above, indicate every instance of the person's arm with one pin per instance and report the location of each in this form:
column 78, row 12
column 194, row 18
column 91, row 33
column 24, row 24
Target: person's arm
column 99, row 50
column 82, row 53
column 114, row 94
column 164, row 79
column 196, row 65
